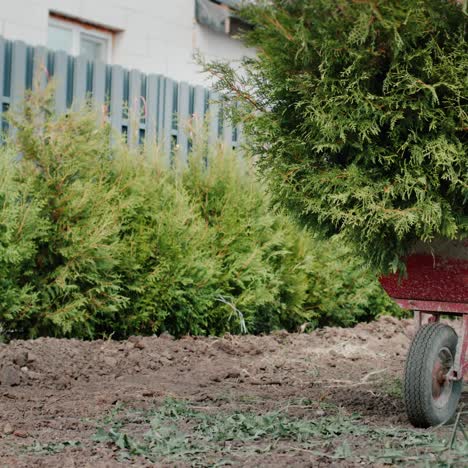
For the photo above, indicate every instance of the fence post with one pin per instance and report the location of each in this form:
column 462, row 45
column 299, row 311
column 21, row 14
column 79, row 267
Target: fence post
column 161, row 109
column 79, row 82
column 134, row 98
column 60, row 77
column 40, row 72
column 213, row 134
column 18, row 77
column 240, row 132
column 227, row 133
column 183, row 120
column 168, row 115
column 199, row 105
column 18, row 73
column 116, row 100
column 99, row 88
column 152, row 92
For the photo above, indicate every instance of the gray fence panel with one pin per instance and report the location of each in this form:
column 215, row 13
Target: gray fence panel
column 164, row 99
column 199, row 108
column 99, row 84
column 213, row 111
column 18, row 73
column 18, row 77
column 116, row 99
column 240, row 134
column 161, row 108
column 61, row 79
column 227, row 134
column 79, row 82
column 40, row 72
column 152, row 92
column 183, row 120
column 166, row 133
column 134, row 105
column 199, row 102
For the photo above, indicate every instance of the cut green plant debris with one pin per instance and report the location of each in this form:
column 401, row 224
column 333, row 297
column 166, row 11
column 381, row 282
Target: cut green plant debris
column 51, row 447
column 176, row 431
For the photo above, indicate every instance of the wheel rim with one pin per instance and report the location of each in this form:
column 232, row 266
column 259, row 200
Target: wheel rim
column 441, row 386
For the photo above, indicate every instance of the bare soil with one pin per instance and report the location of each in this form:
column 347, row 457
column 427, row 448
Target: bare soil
column 329, row 398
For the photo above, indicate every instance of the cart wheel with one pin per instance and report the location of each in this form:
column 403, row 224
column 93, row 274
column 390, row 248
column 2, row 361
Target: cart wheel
column 430, row 398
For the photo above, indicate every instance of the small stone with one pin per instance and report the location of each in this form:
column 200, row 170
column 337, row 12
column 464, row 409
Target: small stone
column 22, row 434
column 320, row 413
column 8, row 429
column 24, row 369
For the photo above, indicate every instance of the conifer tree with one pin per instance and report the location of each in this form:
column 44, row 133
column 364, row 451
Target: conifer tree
column 357, row 114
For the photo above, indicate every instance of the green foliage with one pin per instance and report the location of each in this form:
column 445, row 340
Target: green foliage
column 357, row 113
column 167, row 267
column 22, row 228
column 51, row 448
column 97, row 239
column 65, row 164
column 176, row 431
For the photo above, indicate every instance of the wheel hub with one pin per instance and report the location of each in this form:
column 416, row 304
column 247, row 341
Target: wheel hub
column 441, row 384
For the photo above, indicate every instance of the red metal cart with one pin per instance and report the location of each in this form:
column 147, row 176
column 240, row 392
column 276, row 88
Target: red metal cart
column 436, row 284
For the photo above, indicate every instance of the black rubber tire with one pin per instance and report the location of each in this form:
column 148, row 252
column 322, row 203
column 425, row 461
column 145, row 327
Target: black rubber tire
column 421, row 407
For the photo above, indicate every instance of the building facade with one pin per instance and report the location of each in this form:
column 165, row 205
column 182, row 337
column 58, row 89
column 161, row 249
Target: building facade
column 153, row 36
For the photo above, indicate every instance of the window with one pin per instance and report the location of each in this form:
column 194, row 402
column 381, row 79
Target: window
column 78, row 38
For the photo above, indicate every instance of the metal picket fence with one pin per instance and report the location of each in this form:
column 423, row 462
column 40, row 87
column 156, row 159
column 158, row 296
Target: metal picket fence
column 162, row 106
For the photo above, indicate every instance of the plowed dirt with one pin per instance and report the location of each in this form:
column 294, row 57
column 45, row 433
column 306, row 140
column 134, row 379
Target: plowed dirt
column 329, row 398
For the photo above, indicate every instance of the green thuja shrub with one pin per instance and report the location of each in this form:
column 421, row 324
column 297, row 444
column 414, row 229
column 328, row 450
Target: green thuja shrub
column 65, row 162
column 22, row 228
column 357, row 114
column 168, row 270
column 98, row 240
column 252, row 245
column 275, row 273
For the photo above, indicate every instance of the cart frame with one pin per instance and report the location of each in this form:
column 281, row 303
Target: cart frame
column 436, row 284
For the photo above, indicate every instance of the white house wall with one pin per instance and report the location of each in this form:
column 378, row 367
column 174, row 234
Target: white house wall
column 156, row 36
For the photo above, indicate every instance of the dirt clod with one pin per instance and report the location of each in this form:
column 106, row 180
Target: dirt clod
column 10, row 375
column 20, row 358
column 140, row 344
column 8, row 429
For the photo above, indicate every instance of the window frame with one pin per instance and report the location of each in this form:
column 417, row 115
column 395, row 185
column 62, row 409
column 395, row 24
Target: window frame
column 78, row 29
